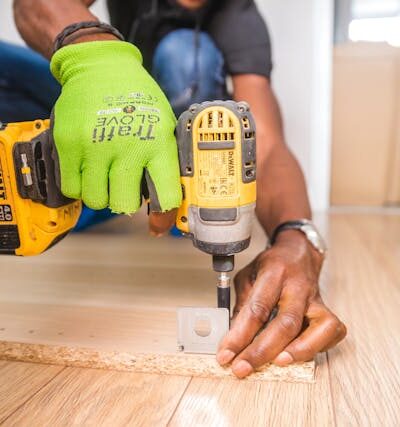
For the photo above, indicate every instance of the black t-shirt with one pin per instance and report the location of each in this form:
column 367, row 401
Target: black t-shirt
column 235, row 26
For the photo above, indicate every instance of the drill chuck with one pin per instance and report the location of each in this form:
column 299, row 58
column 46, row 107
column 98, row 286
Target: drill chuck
column 223, row 263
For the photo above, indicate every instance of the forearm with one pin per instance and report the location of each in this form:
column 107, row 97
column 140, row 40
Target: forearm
column 281, row 189
column 40, row 21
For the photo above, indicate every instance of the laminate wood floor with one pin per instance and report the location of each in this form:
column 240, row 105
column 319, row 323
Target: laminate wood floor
column 357, row 383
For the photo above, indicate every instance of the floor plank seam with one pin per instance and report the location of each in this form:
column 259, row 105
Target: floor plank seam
column 331, row 390
column 179, row 402
column 32, row 396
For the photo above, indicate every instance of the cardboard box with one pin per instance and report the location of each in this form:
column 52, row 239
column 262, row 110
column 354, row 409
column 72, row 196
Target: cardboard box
column 366, row 125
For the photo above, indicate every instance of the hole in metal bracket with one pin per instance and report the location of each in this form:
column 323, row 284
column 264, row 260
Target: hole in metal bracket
column 202, row 327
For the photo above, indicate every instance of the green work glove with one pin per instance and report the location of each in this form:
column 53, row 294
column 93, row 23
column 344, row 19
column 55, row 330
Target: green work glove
column 111, row 123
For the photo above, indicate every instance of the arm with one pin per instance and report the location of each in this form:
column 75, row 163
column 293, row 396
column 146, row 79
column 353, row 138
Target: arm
column 40, row 21
column 282, row 193
column 285, row 276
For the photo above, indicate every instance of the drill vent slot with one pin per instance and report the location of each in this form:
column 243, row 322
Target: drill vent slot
column 216, row 120
column 216, row 131
column 210, row 120
column 43, row 189
column 38, row 151
column 220, row 119
column 246, row 122
column 216, row 136
column 41, row 169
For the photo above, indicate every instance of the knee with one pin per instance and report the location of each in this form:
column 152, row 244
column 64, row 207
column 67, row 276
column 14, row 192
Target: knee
column 175, row 57
column 15, row 59
column 6, row 58
column 10, row 53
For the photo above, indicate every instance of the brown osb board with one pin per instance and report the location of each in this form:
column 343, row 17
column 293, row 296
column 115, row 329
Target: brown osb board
column 108, row 299
column 179, row 364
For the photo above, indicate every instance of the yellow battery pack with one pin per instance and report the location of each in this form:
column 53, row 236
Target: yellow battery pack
column 34, row 215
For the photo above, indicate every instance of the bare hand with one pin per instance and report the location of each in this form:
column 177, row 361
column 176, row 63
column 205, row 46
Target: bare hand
column 286, row 277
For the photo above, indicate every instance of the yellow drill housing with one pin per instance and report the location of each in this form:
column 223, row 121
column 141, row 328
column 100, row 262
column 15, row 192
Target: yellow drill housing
column 217, row 155
column 33, row 213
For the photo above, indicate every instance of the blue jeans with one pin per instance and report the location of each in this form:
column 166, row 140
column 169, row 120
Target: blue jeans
column 188, row 67
column 28, row 91
column 186, row 73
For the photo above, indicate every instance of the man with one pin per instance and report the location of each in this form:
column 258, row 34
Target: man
column 104, row 144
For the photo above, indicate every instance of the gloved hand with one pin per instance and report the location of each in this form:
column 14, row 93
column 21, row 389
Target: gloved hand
column 112, row 122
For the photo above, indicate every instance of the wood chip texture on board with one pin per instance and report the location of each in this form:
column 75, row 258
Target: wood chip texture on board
column 171, row 364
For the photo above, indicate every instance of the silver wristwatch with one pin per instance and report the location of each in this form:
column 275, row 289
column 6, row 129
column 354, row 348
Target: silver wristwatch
column 308, row 228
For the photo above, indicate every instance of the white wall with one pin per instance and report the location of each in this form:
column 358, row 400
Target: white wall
column 302, row 36
column 301, row 33
column 7, row 28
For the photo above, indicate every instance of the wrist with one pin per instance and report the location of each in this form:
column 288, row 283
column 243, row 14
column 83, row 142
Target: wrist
column 92, row 36
column 88, row 31
column 300, row 240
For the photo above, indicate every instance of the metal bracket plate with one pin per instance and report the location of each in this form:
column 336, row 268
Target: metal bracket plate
column 200, row 329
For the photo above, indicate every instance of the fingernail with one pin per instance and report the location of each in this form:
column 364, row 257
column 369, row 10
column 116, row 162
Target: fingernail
column 284, row 359
column 225, row 356
column 155, row 234
column 242, row 368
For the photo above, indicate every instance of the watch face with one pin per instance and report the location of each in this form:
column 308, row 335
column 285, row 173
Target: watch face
column 314, row 237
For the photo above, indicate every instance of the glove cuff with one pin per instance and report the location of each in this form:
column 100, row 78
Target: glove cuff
column 95, row 54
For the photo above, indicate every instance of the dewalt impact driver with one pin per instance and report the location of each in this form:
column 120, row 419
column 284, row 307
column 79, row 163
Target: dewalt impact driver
column 217, row 155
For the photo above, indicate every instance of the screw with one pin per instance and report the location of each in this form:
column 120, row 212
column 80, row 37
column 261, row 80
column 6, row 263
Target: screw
column 193, row 108
column 243, row 106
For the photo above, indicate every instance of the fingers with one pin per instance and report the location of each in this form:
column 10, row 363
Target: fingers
column 161, row 222
column 95, row 183
column 252, row 316
column 278, row 334
column 243, row 287
column 70, row 172
column 125, row 187
column 69, row 157
column 164, row 186
column 325, row 331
